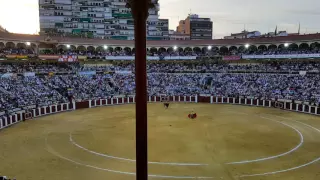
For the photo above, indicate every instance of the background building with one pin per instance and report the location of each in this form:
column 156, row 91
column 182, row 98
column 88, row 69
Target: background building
column 3, row 29
column 256, row 34
column 197, row 28
column 96, row 19
column 243, row 35
column 174, row 35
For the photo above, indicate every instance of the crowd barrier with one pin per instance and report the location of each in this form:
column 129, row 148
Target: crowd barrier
column 302, row 108
column 6, row 121
column 130, row 100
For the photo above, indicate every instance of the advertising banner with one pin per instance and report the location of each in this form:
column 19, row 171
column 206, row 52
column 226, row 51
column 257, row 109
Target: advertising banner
column 7, row 75
column 82, row 57
column 302, row 73
column 131, row 58
column 86, row 73
column 67, row 58
column 51, row 73
column 205, row 95
column 231, row 58
column 21, row 57
column 281, row 56
column 11, row 56
column 29, row 74
column 48, row 57
column 123, row 72
column 16, row 57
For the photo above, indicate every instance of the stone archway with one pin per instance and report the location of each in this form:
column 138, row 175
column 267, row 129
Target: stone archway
column 61, row 47
column 91, row 48
column 2, row 45
column 242, row 49
column 224, row 50
column 253, row 48
column 315, row 45
column 262, row 47
column 161, row 50
column 233, row 48
column 272, row 47
column 197, row 50
column 81, row 48
column 187, row 49
column 111, row 49
column 21, row 46
column 170, row 50
column 281, row 46
column 72, row 48
column 10, row 45
column 304, row 46
column 293, row 47
column 127, row 50
column 153, row 50
column 100, row 49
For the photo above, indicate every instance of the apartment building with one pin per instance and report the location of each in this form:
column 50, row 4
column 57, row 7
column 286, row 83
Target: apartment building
column 105, row 19
column 197, row 28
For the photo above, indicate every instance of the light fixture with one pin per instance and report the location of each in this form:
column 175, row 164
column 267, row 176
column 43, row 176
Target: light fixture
column 175, row 47
column 209, row 47
column 105, row 47
column 68, row 46
column 247, row 46
column 286, row 44
column 28, row 43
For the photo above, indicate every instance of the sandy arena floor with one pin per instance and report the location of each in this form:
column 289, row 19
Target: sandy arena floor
column 225, row 142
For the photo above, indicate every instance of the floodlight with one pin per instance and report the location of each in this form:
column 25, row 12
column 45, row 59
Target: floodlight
column 286, row 44
column 209, row 47
column 105, row 47
column 68, row 46
column 28, row 43
column 247, row 45
column 175, row 47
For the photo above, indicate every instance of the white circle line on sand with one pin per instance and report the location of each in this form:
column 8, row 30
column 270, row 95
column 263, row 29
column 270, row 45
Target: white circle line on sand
column 115, row 171
column 276, row 156
column 132, row 160
column 290, row 169
column 297, row 122
column 281, row 171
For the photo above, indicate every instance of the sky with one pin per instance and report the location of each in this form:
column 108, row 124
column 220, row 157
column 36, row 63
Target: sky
column 228, row 16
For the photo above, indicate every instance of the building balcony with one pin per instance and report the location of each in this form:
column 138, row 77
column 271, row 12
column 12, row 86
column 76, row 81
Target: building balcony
column 122, row 15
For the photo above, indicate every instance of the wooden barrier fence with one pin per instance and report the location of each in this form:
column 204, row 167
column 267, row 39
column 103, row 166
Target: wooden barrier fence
column 7, row 121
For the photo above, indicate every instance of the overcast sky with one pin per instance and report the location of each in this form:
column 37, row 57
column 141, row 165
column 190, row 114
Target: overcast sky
column 228, row 16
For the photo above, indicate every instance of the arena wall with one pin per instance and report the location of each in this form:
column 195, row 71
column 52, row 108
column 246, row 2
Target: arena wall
column 47, row 110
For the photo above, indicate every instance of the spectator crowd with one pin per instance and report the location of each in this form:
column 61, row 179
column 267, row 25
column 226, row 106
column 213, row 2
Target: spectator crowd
column 18, row 91
column 165, row 67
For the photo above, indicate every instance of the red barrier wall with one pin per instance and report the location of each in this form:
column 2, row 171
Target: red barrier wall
column 15, row 118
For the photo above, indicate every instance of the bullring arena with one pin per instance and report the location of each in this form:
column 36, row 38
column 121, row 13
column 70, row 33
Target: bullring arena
column 230, row 139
